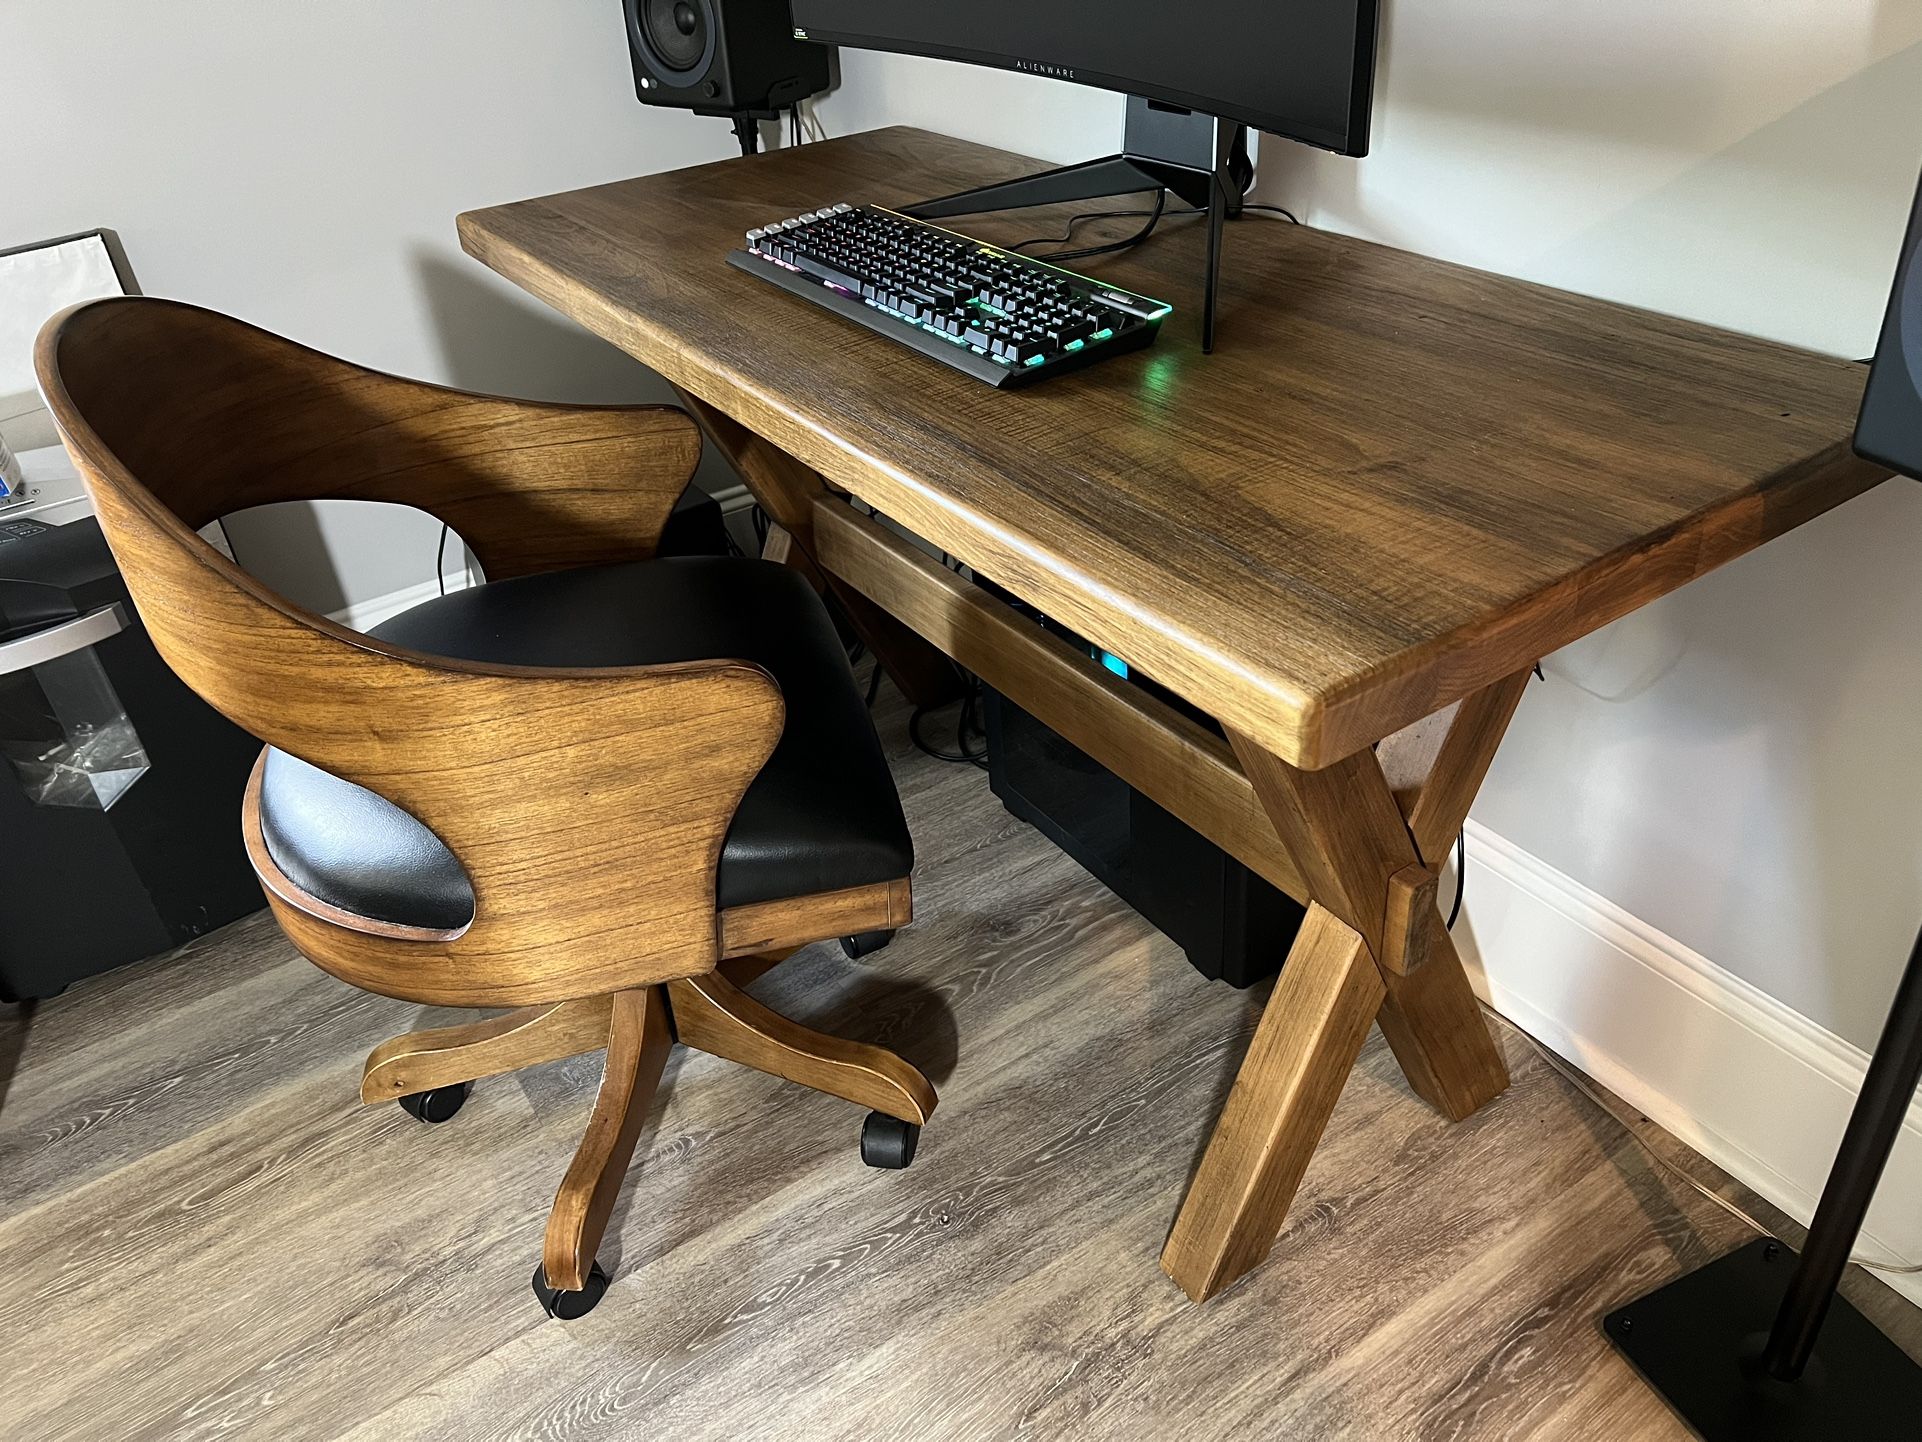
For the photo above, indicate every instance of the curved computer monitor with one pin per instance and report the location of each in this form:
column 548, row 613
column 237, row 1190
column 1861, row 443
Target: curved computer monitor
column 1890, row 428
column 1302, row 69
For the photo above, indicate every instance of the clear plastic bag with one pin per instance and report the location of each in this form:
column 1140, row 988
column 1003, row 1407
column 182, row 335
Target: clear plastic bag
column 66, row 736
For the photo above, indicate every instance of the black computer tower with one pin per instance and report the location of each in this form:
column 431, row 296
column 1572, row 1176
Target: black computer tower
column 1233, row 925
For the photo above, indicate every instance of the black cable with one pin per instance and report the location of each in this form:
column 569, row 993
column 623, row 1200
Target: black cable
column 1461, row 876
column 1068, row 235
column 440, row 558
column 1154, row 218
column 1461, row 846
column 965, row 724
column 923, row 744
column 232, row 554
column 963, row 754
column 874, row 685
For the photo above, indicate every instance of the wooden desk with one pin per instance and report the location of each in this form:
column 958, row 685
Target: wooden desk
column 1347, row 536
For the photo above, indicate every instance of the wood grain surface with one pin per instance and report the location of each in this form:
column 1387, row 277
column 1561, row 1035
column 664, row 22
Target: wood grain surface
column 713, row 1015
column 789, row 921
column 204, row 1234
column 1396, row 482
column 1168, row 756
column 444, row 1056
column 1323, row 1005
column 787, row 491
column 639, row 1039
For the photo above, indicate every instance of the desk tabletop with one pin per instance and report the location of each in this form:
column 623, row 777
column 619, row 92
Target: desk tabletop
column 1395, row 481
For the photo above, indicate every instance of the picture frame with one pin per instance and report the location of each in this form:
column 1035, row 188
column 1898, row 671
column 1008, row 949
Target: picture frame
column 38, row 280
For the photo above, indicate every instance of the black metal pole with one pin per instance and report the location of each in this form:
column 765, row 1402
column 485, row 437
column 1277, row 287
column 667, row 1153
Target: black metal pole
column 1217, row 223
column 1890, row 1085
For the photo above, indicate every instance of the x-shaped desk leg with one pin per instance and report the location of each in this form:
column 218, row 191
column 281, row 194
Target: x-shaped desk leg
column 1373, row 948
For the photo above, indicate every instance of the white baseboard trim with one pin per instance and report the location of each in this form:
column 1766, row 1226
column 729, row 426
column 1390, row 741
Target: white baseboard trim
column 365, row 615
column 1755, row 1087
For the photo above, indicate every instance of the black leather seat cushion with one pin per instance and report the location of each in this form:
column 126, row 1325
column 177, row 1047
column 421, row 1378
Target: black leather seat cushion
column 822, row 815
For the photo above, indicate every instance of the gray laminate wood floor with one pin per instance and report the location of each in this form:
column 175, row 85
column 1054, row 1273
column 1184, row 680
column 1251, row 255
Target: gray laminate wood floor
column 206, row 1235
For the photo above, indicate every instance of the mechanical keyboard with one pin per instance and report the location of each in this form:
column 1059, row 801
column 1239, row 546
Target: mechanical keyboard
column 1001, row 317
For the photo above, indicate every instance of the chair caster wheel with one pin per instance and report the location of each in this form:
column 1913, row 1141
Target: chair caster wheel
column 437, row 1105
column 567, row 1306
column 888, row 1141
column 865, row 943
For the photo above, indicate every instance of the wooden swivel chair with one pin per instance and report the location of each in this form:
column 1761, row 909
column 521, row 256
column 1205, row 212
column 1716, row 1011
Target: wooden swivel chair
column 604, row 789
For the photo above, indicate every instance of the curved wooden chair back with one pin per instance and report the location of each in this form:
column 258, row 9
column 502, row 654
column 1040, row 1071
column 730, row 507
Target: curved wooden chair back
column 588, row 806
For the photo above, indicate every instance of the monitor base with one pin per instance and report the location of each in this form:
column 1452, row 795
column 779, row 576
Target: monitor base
column 1202, row 160
column 1699, row 1340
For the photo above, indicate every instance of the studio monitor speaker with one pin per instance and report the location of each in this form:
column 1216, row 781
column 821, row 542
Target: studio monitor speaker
column 1890, row 428
column 723, row 57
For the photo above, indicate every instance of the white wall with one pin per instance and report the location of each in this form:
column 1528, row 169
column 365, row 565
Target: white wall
column 300, row 165
column 1739, row 766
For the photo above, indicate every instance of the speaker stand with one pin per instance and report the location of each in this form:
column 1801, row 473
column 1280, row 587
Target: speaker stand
column 1822, row 1370
column 747, row 125
column 1202, row 160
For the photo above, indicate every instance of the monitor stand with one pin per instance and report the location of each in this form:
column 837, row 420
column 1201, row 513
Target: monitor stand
column 1202, row 160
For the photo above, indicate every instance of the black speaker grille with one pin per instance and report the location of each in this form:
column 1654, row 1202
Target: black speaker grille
column 677, row 32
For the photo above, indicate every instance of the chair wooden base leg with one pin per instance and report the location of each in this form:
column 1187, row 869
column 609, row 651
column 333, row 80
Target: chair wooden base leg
column 639, row 1028
column 639, row 1039
column 1310, row 1034
column 746, row 970
column 712, row 1014
column 449, row 1055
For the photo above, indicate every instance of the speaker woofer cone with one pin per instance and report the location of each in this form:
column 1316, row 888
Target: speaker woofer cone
column 678, row 35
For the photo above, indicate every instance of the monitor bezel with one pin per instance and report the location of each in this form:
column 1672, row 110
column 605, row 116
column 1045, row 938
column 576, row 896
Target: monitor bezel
column 1354, row 142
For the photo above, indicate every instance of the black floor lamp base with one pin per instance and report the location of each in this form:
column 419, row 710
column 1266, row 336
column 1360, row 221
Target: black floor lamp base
column 1698, row 1341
